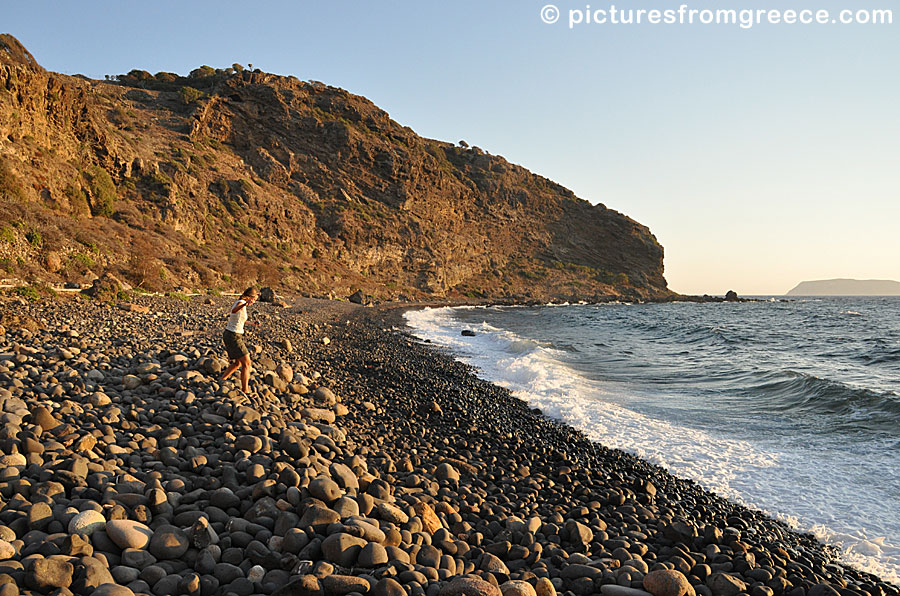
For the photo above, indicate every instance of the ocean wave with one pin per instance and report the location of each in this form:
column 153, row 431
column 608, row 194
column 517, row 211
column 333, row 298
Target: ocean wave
column 762, row 471
column 836, row 404
column 881, row 355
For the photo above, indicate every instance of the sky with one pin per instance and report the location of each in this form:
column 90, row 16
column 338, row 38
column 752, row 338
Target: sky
column 759, row 156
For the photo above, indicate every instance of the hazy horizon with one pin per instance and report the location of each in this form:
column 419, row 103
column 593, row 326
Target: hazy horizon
column 758, row 157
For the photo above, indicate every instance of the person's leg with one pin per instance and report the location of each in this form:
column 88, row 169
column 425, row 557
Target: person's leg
column 245, row 372
column 230, row 370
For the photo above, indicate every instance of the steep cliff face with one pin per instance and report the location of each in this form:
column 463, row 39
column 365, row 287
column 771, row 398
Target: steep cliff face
column 225, row 178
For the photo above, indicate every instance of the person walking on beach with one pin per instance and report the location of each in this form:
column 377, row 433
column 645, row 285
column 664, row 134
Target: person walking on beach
column 237, row 350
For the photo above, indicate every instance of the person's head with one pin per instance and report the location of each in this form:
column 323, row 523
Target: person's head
column 251, row 295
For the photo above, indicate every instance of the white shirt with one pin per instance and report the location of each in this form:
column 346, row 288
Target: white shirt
column 236, row 319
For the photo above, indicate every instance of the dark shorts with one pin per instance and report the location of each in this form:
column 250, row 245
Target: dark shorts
column 234, row 345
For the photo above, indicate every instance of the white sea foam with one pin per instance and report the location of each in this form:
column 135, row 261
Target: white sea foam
column 760, row 474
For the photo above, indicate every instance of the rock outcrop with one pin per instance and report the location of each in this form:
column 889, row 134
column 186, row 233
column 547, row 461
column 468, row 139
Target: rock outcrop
column 230, row 177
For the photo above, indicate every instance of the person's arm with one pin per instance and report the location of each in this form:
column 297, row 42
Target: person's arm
column 240, row 304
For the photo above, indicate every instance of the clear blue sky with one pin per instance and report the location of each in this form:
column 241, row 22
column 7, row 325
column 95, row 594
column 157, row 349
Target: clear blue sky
column 759, row 157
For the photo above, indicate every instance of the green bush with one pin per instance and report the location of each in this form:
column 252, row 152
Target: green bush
column 84, row 260
column 140, row 75
column 159, row 182
column 202, row 72
column 7, row 234
column 78, row 200
column 103, row 191
column 91, row 246
column 26, row 292
column 7, row 265
column 34, row 238
column 604, row 276
column 189, row 95
column 178, row 296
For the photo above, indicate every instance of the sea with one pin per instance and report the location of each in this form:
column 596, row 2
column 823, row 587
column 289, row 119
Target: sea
column 789, row 406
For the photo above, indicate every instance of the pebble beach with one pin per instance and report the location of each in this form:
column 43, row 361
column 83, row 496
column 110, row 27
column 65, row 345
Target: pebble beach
column 361, row 462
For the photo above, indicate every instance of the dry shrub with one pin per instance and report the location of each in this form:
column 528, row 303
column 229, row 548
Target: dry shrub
column 245, row 271
column 78, row 201
column 11, row 186
column 143, row 269
column 269, row 275
column 208, row 277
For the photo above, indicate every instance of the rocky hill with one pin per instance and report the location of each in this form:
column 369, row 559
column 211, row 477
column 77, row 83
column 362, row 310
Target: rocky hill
column 846, row 287
column 227, row 177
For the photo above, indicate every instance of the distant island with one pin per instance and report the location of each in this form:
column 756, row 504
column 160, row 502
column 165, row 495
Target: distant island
column 847, row 287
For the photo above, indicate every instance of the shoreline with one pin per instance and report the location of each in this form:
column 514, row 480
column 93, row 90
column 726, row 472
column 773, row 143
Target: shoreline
column 542, row 358
column 484, row 484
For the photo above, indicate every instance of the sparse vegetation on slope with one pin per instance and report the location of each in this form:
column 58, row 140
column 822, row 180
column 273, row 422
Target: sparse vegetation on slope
column 233, row 176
